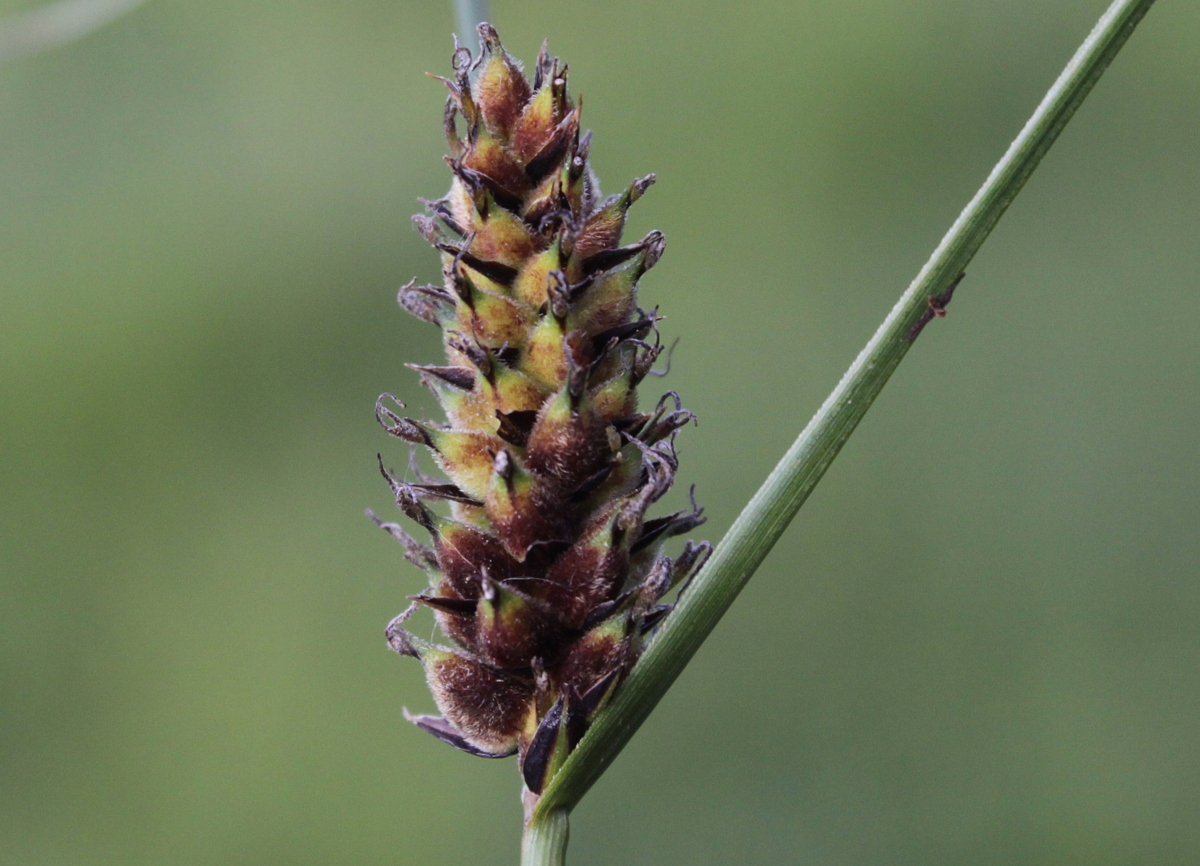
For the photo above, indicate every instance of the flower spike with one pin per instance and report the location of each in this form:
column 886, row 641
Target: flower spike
column 545, row 570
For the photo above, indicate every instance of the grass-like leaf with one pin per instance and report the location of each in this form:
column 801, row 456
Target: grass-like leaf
column 772, row 508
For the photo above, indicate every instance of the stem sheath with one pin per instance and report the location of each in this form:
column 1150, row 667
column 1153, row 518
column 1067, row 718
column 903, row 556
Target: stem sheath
column 545, row 839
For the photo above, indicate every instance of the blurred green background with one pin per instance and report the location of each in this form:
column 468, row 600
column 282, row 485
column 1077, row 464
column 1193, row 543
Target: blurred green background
column 980, row 642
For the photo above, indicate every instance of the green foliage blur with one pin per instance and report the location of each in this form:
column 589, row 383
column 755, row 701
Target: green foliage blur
column 980, row 642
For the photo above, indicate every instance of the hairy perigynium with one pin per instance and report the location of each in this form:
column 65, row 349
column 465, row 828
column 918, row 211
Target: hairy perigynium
column 544, row 567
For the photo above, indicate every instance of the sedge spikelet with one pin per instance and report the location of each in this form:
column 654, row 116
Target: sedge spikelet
column 545, row 570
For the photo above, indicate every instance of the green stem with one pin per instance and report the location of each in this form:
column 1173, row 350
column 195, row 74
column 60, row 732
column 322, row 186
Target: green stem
column 55, row 24
column 545, row 839
column 764, row 519
column 470, row 13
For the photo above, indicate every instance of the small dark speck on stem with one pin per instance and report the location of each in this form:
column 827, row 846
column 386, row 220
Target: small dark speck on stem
column 937, row 308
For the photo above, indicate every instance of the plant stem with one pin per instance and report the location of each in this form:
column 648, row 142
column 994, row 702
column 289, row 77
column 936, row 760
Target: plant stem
column 766, row 516
column 58, row 23
column 471, row 13
column 545, row 839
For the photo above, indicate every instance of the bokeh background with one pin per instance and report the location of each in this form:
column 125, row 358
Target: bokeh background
column 980, row 641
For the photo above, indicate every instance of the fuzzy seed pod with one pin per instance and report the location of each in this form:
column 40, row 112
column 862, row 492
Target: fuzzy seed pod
column 544, row 567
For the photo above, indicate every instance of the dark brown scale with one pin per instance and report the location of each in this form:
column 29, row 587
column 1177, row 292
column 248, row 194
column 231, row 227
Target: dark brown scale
column 597, row 653
column 590, row 572
column 514, row 630
column 463, row 552
column 486, row 705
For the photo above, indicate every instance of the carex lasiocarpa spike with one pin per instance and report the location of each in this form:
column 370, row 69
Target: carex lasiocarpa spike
column 545, row 569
